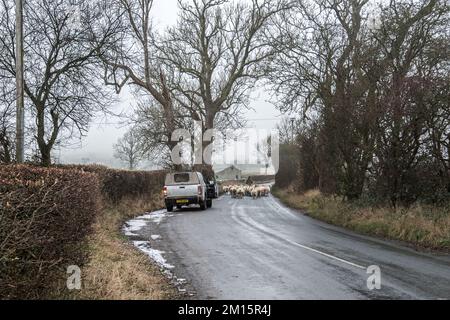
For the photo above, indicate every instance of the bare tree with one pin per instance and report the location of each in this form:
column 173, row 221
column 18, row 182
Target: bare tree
column 288, row 130
column 219, row 48
column 407, row 31
column 60, row 64
column 149, row 122
column 363, row 80
column 439, row 126
column 129, row 150
column 7, row 146
column 132, row 60
column 324, row 69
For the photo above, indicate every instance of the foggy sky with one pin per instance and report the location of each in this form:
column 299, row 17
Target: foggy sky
column 97, row 146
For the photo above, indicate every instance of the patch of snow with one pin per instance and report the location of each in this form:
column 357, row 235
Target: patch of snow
column 156, row 216
column 132, row 226
column 155, row 255
column 181, row 281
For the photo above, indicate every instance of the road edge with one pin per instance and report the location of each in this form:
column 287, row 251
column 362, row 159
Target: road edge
column 415, row 247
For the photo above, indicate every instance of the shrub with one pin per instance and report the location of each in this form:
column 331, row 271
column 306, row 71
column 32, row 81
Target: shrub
column 118, row 185
column 121, row 184
column 45, row 216
column 287, row 173
column 423, row 226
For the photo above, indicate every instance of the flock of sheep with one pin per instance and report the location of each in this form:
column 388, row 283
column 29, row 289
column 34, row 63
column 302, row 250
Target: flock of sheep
column 241, row 191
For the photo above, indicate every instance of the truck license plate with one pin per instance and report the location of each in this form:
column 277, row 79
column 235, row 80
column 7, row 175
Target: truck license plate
column 182, row 201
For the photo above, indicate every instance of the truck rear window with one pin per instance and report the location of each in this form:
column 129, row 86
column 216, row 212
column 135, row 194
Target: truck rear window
column 181, row 177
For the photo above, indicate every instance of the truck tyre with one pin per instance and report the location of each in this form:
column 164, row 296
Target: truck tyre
column 179, row 207
column 209, row 203
column 203, row 205
column 169, row 207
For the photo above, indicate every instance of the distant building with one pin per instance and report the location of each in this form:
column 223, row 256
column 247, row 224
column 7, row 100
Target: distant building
column 249, row 170
column 242, row 171
column 229, row 173
column 268, row 180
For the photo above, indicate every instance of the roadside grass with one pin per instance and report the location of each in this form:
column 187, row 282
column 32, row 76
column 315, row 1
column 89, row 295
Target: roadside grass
column 423, row 226
column 116, row 269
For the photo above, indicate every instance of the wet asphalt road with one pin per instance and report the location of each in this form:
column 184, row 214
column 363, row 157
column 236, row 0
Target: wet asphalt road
column 259, row 249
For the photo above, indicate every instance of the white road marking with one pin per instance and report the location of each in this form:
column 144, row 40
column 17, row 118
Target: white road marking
column 258, row 225
column 325, row 254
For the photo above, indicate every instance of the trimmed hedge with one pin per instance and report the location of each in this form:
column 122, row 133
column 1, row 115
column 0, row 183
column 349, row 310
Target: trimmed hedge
column 122, row 184
column 46, row 215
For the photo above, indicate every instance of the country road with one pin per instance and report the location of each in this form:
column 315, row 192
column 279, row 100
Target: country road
column 259, row 249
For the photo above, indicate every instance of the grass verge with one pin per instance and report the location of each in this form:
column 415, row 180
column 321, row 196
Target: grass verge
column 422, row 226
column 116, row 269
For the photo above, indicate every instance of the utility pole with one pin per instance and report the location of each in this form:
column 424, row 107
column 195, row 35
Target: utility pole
column 20, row 110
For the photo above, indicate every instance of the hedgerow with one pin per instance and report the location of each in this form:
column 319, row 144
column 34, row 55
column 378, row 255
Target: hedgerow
column 46, row 215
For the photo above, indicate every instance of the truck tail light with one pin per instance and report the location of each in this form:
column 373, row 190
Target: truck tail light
column 165, row 191
column 200, row 190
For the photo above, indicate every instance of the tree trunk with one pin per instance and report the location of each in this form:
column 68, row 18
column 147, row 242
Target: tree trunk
column 131, row 165
column 5, row 157
column 46, row 159
column 207, row 144
column 45, row 147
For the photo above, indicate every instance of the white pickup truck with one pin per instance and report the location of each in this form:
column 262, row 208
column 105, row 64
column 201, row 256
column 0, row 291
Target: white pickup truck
column 186, row 188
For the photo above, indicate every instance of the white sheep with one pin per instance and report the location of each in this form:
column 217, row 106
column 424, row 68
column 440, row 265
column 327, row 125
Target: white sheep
column 254, row 192
column 240, row 192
